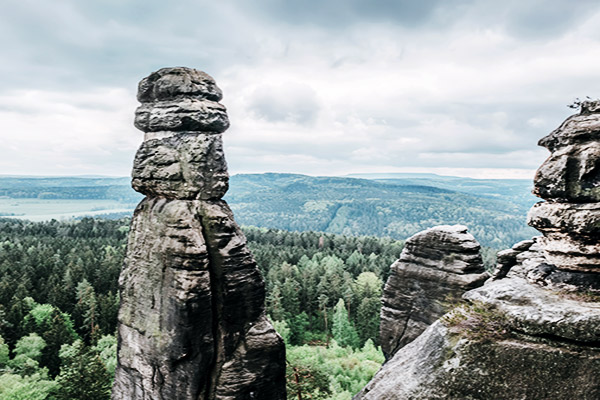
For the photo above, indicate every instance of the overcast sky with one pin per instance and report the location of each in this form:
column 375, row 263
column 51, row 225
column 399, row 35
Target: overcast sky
column 321, row 87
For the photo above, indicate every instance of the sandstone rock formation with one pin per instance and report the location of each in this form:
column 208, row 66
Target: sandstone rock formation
column 435, row 266
column 192, row 322
column 570, row 182
column 533, row 330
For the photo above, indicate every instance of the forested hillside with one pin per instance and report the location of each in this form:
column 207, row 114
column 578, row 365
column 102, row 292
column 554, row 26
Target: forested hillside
column 516, row 191
column 351, row 206
column 106, row 188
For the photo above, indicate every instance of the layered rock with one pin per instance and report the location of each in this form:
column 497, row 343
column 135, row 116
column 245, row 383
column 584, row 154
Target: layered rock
column 436, row 266
column 570, row 182
column 192, row 322
column 533, row 330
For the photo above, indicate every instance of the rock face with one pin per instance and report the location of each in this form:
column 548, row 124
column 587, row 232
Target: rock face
column 570, row 182
column 533, row 330
column 192, row 322
column 435, row 266
column 547, row 349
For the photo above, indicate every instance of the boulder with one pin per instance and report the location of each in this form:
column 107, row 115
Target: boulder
column 515, row 341
column 185, row 166
column 177, row 82
column 182, row 115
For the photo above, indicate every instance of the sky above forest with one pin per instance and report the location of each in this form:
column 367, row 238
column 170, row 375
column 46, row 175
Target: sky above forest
column 320, row 87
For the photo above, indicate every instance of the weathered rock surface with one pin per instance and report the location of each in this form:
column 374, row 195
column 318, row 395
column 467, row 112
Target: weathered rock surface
column 570, row 180
column 192, row 322
column 182, row 115
column 186, row 166
column 435, row 266
column 173, row 83
column 440, row 364
column 572, row 172
column 548, row 351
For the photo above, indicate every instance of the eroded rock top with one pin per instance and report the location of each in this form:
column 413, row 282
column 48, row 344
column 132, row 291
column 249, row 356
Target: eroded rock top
column 173, row 83
column 446, row 247
column 572, row 172
column 182, row 154
column 180, row 100
column 436, row 265
column 578, row 128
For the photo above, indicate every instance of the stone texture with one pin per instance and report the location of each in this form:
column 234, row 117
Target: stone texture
column 537, row 312
column 442, row 365
column 571, row 174
column 173, row 83
column 506, row 259
column 579, row 219
column 182, row 115
column 570, row 182
column 436, row 266
column 184, row 166
column 192, row 321
column 165, row 318
column 550, row 350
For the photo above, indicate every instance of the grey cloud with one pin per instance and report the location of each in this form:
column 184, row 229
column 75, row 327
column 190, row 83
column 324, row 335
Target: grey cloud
column 334, row 14
column 529, row 20
column 76, row 44
column 290, row 102
column 548, row 17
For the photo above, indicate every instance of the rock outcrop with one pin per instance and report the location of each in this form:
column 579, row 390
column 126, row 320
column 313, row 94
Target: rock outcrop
column 570, row 182
column 436, row 266
column 192, row 322
column 533, row 330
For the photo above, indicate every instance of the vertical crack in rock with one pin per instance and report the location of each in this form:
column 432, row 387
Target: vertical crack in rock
column 192, row 321
column 216, row 287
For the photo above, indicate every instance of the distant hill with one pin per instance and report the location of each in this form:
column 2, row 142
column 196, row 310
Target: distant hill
column 515, row 190
column 82, row 188
column 395, row 206
column 353, row 206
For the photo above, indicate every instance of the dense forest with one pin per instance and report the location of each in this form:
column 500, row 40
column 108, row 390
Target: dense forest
column 59, row 304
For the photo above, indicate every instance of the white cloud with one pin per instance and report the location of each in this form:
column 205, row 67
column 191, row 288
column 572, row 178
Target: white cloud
column 54, row 133
column 470, row 87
